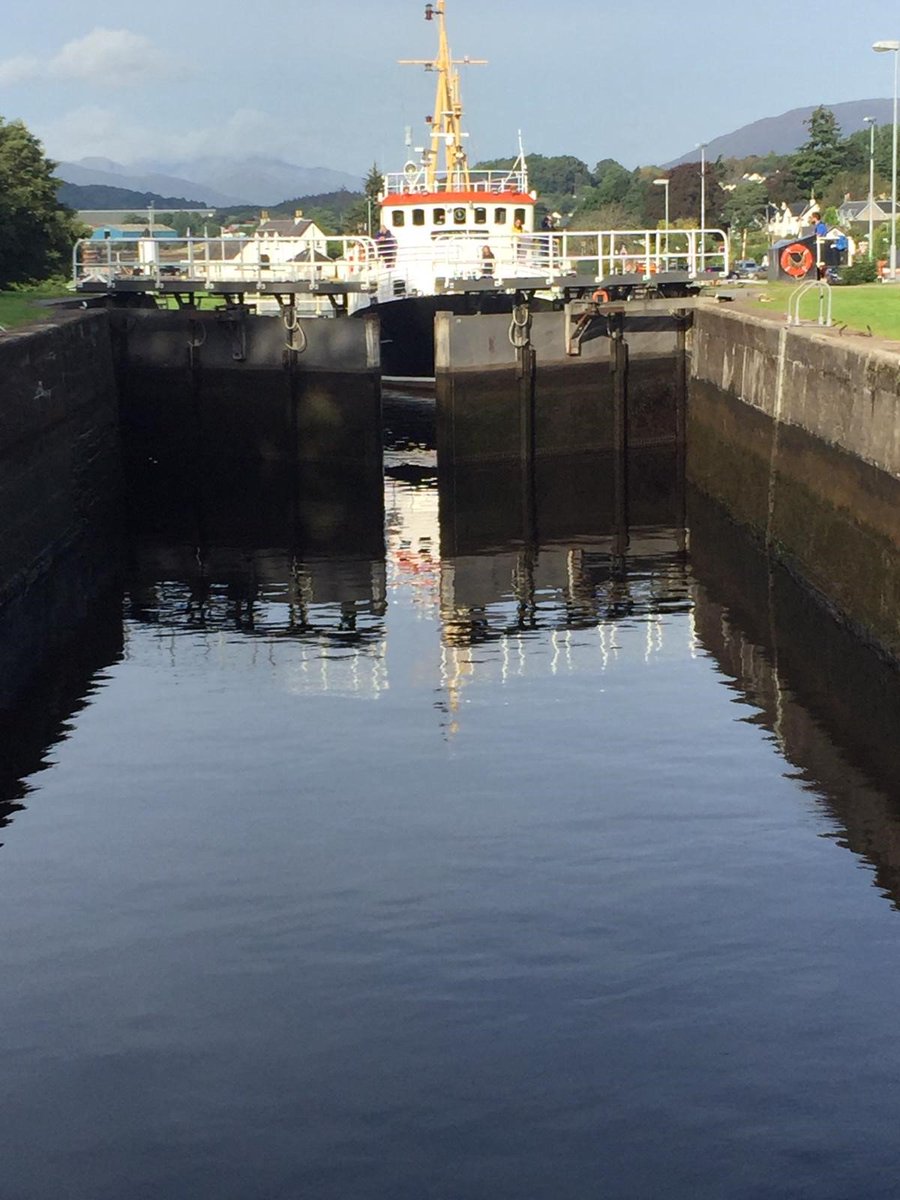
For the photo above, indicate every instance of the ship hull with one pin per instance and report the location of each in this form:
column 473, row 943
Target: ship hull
column 407, row 327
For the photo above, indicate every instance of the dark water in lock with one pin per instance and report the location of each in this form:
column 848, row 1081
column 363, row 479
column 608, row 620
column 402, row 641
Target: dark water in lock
column 407, row 842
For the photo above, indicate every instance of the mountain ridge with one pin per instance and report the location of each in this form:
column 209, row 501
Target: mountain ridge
column 786, row 133
column 222, row 182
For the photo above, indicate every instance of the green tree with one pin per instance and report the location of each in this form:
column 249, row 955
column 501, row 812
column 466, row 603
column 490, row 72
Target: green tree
column 373, row 186
column 783, row 187
column 605, row 216
column 822, row 155
column 745, row 206
column 857, row 145
column 611, row 182
column 362, row 214
column 685, row 186
column 197, row 223
column 558, row 175
column 36, row 232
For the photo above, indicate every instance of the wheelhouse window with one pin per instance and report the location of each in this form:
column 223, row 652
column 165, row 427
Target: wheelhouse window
column 398, row 217
column 440, row 216
column 418, row 216
column 459, row 216
column 520, row 215
column 499, row 216
column 481, row 216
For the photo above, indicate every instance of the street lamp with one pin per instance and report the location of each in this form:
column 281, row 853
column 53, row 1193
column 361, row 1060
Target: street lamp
column 701, row 146
column 892, row 47
column 871, row 122
column 664, row 183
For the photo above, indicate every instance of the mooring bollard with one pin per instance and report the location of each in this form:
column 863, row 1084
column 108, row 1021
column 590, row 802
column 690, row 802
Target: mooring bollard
column 618, row 368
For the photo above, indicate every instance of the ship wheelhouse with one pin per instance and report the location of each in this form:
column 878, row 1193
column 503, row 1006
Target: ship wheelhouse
column 418, row 218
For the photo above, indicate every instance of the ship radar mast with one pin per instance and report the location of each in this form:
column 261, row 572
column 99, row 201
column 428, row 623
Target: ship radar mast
column 446, row 120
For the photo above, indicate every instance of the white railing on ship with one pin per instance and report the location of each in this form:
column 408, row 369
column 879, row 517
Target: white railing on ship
column 645, row 252
column 553, row 255
column 223, row 259
column 414, row 181
column 556, row 255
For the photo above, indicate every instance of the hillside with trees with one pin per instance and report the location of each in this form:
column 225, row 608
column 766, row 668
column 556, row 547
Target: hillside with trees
column 99, row 196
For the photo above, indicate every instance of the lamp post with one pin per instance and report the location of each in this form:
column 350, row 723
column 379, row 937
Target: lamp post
column 871, row 122
column 702, row 148
column 664, row 183
column 892, row 47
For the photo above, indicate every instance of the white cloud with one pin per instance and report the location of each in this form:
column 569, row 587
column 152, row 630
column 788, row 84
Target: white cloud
column 18, row 70
column 104, row 57
column 246, row 130
column 90, row 130
column 93, row 130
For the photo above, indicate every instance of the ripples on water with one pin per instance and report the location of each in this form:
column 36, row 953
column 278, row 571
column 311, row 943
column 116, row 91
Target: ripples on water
column 404, row 869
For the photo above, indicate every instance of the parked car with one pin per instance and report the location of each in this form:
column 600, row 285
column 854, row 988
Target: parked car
column 746, row 268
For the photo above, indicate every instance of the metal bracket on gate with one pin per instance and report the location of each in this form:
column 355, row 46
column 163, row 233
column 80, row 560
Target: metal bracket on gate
column 589, row 319
column 520, row 331
column 234, row 318
column 296, row 341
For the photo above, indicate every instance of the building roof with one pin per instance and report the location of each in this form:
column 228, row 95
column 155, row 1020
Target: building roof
column 310, row 256
column 132, row 231
column 105, row 216
column 287, row 227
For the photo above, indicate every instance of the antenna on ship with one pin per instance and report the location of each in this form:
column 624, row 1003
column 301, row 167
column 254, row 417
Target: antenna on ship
column 521, row 164
column 446, row 120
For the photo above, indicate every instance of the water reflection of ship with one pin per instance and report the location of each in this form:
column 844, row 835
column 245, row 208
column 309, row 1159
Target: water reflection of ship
column 507, row 571
column 412, row 529
column 295, row 560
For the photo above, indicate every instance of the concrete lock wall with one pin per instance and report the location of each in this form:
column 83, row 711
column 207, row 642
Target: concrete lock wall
column 795, row 433
column 847, row 392
column 59, row 486
column 58, row 440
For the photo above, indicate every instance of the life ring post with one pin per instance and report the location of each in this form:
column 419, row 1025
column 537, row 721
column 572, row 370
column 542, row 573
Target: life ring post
column 796, row 260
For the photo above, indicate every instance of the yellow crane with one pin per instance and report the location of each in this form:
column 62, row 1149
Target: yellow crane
column 446, row 120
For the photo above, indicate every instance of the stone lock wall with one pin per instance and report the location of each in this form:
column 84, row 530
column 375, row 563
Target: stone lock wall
column 59, row 486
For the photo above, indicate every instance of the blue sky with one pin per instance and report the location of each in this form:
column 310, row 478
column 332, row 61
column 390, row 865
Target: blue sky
column 317, row 81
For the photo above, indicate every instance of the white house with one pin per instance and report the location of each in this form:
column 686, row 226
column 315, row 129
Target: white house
column 790, row 219
column 275, row 244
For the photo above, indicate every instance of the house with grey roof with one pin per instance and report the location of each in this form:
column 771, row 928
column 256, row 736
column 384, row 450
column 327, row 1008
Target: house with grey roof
column 853, row 212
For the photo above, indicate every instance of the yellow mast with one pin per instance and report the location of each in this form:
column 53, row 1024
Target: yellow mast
column 446, row 120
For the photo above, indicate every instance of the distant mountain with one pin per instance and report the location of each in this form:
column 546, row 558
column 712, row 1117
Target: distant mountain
column 104, row 171
column 260, row 179
column 223, row 182
column 99, row 196
column 784, row 134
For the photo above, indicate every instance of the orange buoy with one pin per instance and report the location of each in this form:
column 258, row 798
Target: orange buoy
column 796, row 260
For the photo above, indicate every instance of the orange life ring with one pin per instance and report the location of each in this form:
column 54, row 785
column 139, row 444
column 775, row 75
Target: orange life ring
column 796, row 260
column 601, row 295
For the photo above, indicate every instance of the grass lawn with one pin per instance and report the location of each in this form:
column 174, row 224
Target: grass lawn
column 876, row 305
column 20, row 306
